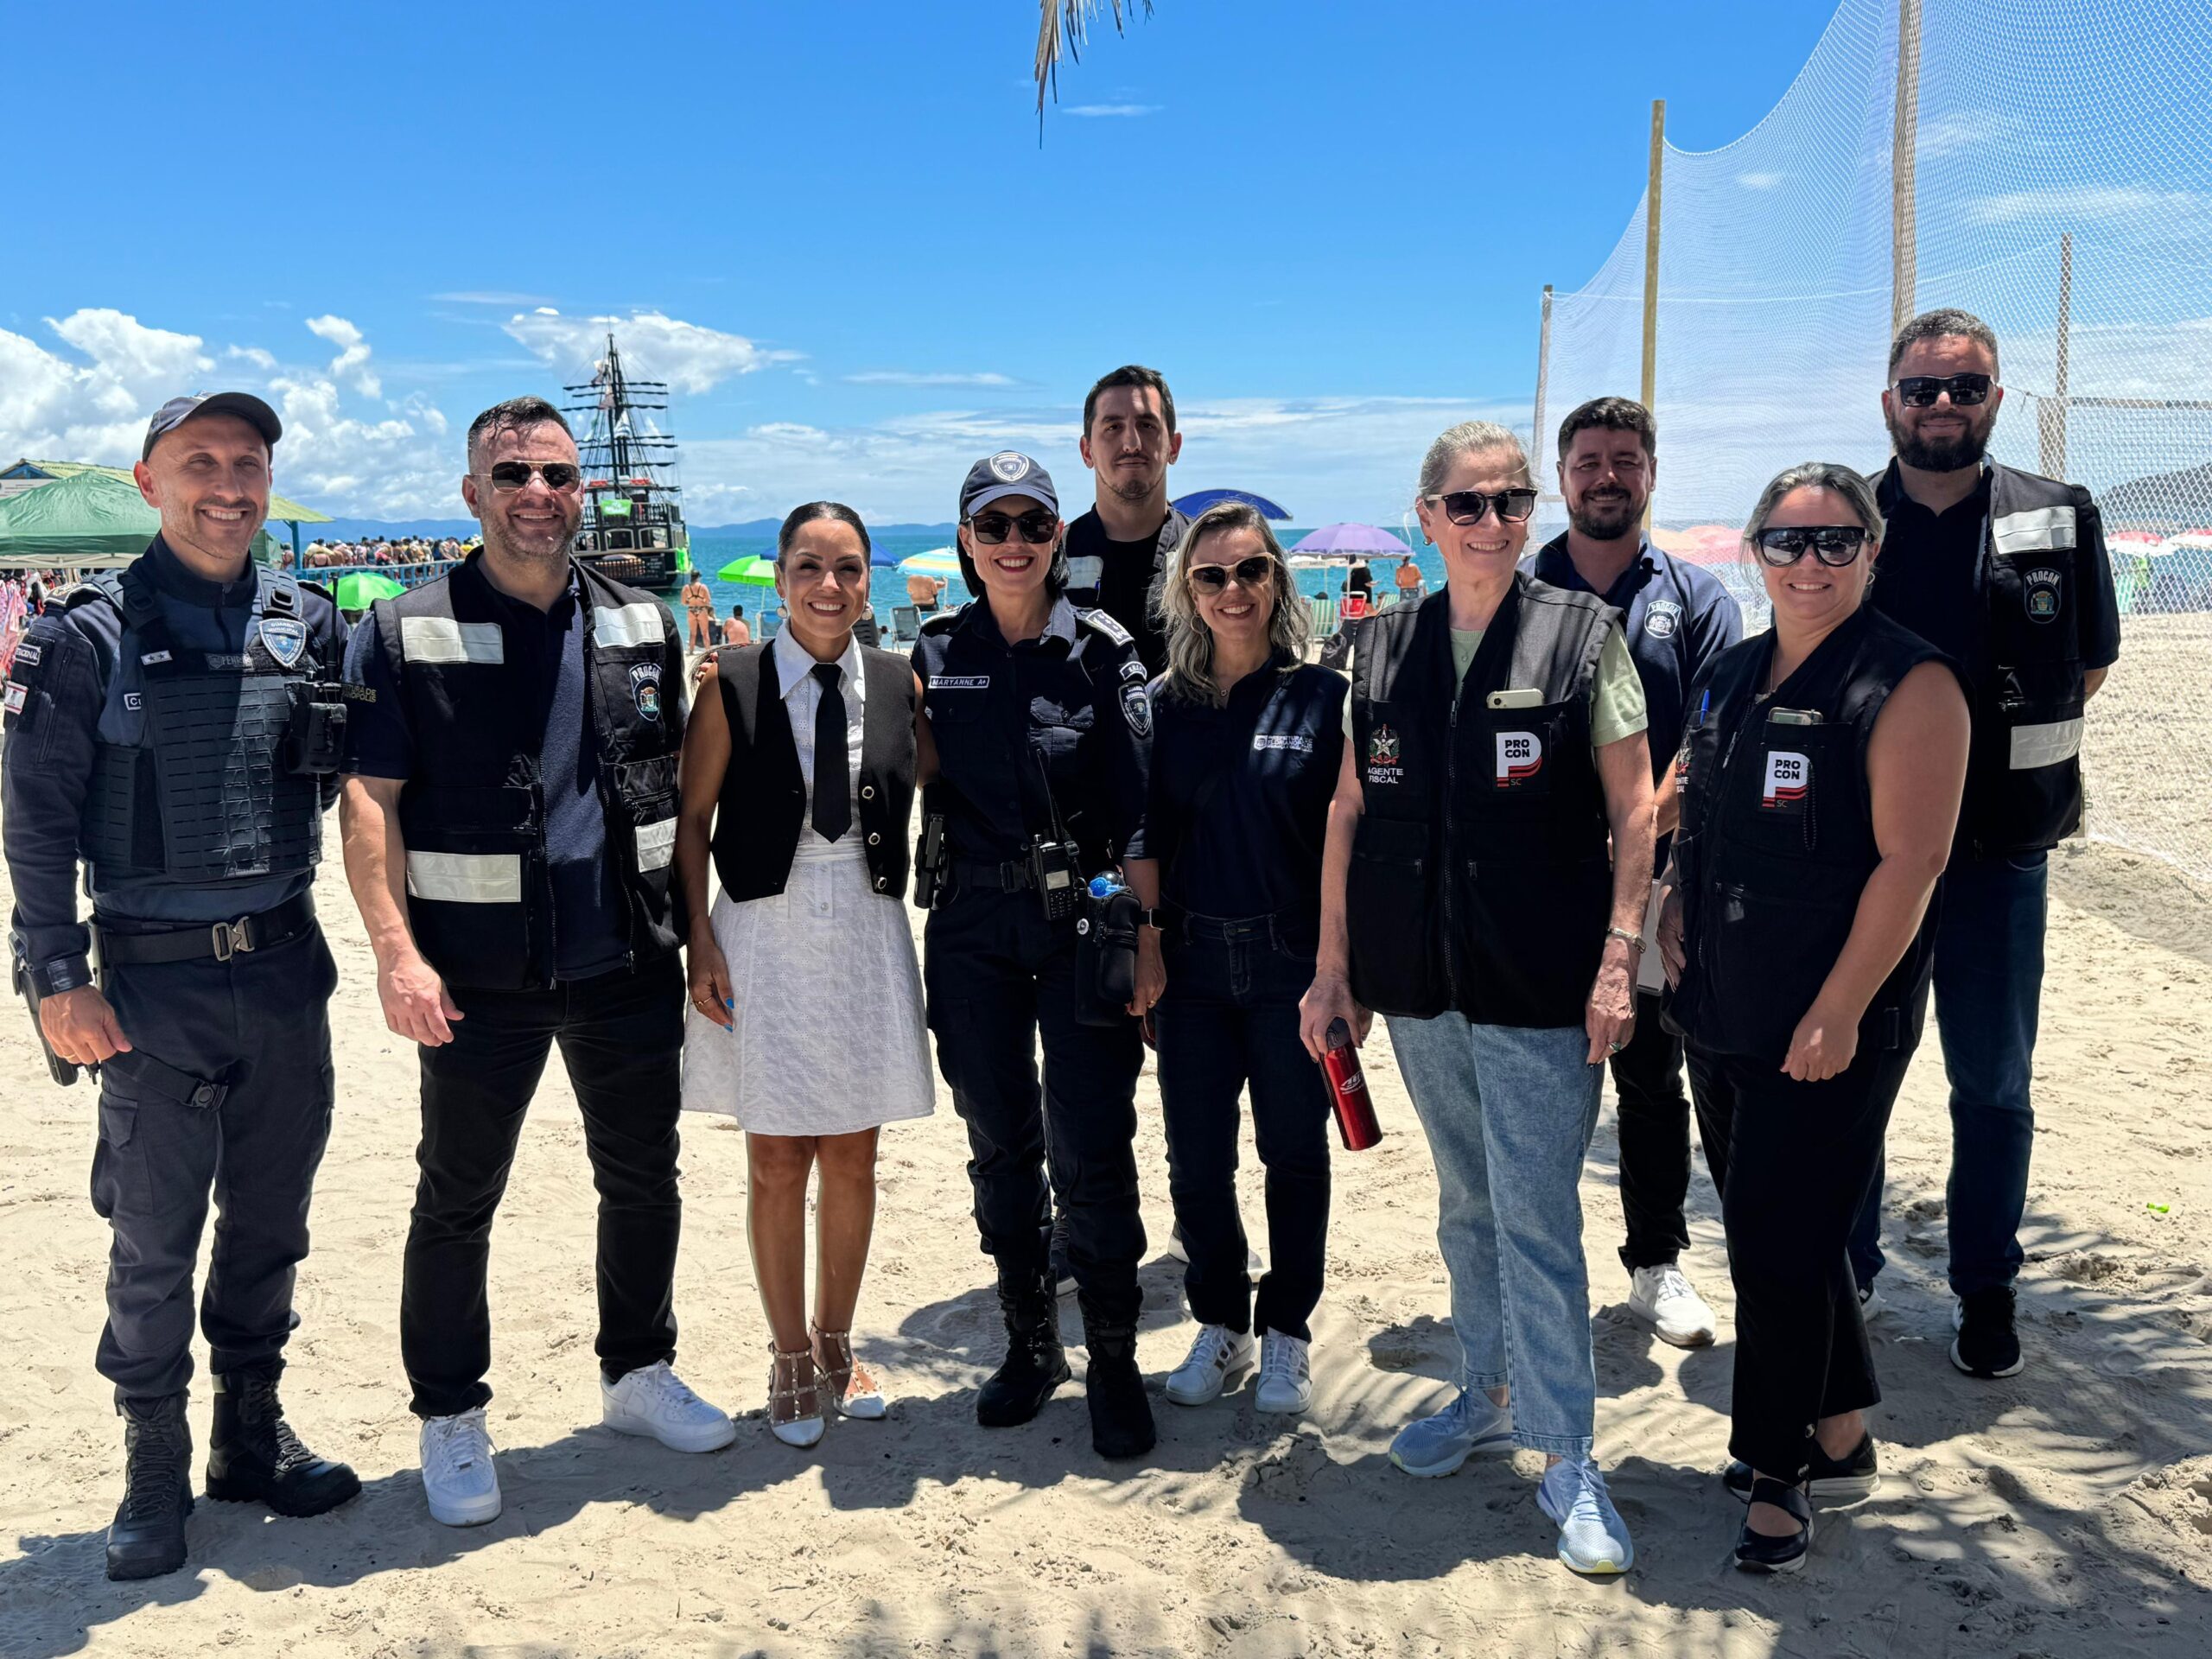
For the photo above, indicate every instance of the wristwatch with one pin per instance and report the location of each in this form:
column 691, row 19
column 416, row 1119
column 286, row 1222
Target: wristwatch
column 1151, row 918
column 1634, row 941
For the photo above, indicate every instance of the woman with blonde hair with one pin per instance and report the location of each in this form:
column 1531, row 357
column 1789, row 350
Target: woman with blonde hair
column 1245, row 749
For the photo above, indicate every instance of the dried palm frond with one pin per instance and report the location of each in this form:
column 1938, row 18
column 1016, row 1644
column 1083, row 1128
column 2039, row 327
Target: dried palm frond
column 1062, row 29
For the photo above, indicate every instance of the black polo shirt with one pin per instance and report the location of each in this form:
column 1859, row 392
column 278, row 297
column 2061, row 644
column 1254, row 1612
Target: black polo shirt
column 590, row 931
column 1240, row 794
column 1119, row 578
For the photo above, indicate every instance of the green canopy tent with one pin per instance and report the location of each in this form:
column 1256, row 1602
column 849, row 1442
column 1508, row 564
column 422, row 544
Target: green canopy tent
column 93, row 518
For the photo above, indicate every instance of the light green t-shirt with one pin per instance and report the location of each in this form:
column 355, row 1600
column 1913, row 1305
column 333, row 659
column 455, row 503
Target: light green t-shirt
column 1615, row 695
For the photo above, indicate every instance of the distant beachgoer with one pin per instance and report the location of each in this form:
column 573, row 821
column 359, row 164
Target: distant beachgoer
column 699, row 606
column 1409, row 578
column 734, row 633
column 927, row 593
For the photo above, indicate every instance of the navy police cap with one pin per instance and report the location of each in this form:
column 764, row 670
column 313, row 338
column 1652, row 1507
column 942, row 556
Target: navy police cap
column 243, row 404
column 1008, row 472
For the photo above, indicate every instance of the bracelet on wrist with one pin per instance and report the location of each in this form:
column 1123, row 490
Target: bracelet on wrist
column 1634, row 941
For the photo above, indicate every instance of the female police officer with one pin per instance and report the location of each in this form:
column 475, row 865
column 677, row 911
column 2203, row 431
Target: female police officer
column 1034, row 751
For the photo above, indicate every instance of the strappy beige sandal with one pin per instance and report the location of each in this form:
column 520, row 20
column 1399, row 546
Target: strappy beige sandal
column 853, row 1389
column 794, row 1396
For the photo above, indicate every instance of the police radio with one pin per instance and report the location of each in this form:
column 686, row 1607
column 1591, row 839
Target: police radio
column 1054, row 862
column 314, row 739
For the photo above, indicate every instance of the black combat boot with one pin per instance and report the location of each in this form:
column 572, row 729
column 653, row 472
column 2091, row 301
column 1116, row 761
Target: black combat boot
column 1120, row 1415
column 146, row 1538
column 253, row 1456
column 1035, row 1362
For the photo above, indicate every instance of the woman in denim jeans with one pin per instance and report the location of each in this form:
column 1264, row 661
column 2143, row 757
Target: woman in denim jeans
column 1489, row 859
column 1244, row 757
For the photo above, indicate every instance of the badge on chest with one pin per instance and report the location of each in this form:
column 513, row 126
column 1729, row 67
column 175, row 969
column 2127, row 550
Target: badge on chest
column 1520, row 757
column 1789, row 780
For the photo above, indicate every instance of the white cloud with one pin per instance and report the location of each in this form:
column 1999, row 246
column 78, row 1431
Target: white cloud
column 1095, row 111
column 492, row 296
column 351, row 362
column 912, row 378
column 1760, row 180
column 265, row 362
column 53, row 407
column 2102, row 201
column 689, row 356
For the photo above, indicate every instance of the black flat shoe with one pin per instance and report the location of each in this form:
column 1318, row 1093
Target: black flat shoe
column 1755, row 1552
column 1831, row 1480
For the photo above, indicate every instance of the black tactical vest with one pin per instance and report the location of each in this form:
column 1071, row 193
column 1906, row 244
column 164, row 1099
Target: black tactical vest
column 207, row 797
column 479, row 898
column 1777, row 841
column 1480, row 878
column 763, row 800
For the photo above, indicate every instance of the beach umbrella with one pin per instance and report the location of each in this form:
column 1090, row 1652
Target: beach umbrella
column 938, row 562
column 881, row 558
column 359, row 590
column 1350, row 542
column 760, row 572
column 1198, row 500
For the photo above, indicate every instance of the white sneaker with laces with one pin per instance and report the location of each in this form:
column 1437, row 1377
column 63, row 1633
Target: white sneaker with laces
column 1286, row 1375
column 654, row 1401
column 1663, row 1298
column 1218, row 1354
column 458, row 1478
column 1592, row 1538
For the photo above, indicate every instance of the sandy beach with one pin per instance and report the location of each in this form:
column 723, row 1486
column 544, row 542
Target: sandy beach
column 2065, row 1512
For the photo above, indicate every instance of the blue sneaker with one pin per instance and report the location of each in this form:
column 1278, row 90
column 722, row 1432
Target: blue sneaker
column 1592, row 1538
column 1439, row 1445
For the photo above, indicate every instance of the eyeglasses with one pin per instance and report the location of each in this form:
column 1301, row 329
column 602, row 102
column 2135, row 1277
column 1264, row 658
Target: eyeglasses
column 1255, row 572
column 1918, row 390
column 561, row 476
column 1468, row 507
column 992, row 528
column 1832, row 544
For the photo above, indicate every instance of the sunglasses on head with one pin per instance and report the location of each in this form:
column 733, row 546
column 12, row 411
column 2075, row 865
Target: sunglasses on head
column 992, row 528
column 1253, row 572
column 560, row 476
column 1918, row 390
column 1832, row 544
column 1468, row 507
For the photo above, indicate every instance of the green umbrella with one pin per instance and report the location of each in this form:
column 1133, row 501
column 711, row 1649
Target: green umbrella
column 359, row 590
column 760, row 572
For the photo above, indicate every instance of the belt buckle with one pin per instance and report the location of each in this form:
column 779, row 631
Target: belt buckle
column 231, row 937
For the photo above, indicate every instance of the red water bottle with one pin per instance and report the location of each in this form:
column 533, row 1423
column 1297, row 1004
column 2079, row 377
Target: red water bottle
column 1356, row 1124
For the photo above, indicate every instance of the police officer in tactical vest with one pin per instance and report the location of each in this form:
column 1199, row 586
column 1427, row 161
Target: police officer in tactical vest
column 510, row 819
column 2005, row 573
column 175, row 724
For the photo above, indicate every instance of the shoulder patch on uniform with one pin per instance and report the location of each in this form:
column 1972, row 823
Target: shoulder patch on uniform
column 1103, row 621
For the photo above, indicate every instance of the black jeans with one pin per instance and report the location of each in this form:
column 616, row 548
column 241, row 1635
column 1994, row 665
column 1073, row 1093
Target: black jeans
column 1000, row 978
column 1794, row 1162
column 621, row 1037
column 259, row 1025
column 1655, row 1141
column 1230, row 1020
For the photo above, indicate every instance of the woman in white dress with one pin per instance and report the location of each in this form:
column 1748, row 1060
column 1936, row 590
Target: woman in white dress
column 806, row 1005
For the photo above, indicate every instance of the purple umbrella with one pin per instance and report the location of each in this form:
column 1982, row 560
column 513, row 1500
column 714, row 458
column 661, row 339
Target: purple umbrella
column 1349, row 542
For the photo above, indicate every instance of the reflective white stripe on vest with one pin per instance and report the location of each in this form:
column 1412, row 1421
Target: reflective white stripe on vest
column 655, row 844
column 2045, row 746
column 441, row 640
column 2038, row 530
column 632, row 625
column 465, row 877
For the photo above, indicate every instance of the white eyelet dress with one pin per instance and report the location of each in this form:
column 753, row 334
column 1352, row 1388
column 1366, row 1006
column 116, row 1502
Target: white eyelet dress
column 829, row 1038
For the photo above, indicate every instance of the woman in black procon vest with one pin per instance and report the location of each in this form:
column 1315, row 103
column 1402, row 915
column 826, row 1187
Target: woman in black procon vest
column 1487, row 869
column 1819, row 782
column 806, row 1004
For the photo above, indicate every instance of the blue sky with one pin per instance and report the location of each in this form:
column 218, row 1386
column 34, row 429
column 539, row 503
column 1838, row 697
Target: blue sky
column 833, row 227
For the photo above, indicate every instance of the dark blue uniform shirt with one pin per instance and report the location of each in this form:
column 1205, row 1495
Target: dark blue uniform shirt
column 1240, row 794
column 87, row 687
column 589, row 931
column 1075, row 697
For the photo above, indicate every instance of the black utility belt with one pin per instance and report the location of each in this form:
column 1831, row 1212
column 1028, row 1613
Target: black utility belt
column 1013, row 876
column 290, row 920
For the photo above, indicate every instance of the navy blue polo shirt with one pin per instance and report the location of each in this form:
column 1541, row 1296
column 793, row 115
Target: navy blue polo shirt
column 1677, row 619
column 589, row 933
column 1239, row 802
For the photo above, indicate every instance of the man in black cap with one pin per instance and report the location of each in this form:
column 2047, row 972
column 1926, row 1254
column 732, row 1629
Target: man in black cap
column 1118, row 551
column 173, row 725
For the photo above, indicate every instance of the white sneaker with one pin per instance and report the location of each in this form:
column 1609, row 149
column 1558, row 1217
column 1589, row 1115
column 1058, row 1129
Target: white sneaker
column 1663, row 1299
column 457, row 1477
column 1592, row 1538
column 1285, row 1375
column 1871, row 1304
column 653, row 1400
column 1218, row 1354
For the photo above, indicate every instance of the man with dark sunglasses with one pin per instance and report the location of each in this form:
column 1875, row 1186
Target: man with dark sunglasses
column 2006, row 573
column 1678, row 618
column 1117, row 552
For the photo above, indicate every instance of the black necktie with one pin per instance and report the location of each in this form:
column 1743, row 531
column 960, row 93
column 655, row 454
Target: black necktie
column 833, row 783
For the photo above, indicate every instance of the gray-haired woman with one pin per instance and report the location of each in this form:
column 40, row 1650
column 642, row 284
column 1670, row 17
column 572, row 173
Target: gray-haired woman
column 1245, row 750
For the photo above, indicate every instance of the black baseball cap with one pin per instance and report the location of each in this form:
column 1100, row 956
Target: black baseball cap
column 1008, row 472
column 243, row 404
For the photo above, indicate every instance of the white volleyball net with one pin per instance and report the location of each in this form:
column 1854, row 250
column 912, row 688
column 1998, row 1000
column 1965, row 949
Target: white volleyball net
column 2062, row 159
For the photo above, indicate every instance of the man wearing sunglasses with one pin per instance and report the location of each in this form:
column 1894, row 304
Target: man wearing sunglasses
column 1118, row 552
column 1678, row 618
column 510, row 824
column 2006, row 573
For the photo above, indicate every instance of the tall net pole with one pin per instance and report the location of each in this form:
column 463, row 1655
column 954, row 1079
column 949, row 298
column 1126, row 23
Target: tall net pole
column 1651, row 268
column 1543, row 375
column 1904, row 176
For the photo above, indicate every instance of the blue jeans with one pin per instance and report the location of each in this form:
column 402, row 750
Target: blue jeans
column 1508, row 1113
column 1988, row 984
